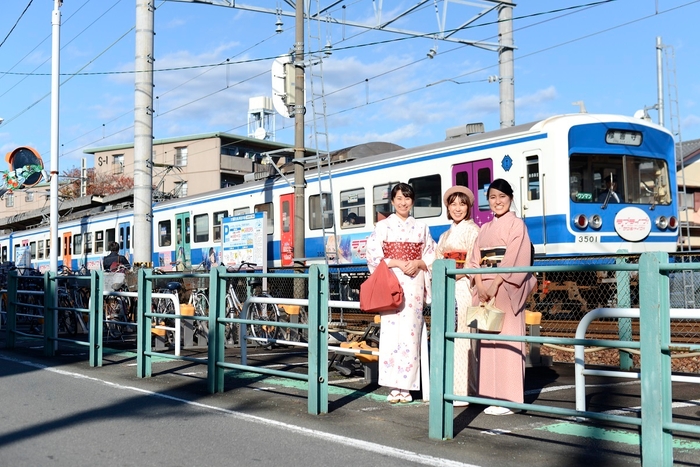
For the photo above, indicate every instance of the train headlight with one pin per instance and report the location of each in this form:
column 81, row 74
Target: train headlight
column 581, row 221
column 672, row 223
column 661, row 222
column 595, row 221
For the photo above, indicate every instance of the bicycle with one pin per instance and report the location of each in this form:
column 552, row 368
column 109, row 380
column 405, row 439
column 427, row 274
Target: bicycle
column 118, row 311
column 70, row 319
column 165, row 306
column 199, row 299
column 261, row 334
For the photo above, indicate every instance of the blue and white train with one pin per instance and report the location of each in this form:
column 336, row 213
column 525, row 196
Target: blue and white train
column 557, row 167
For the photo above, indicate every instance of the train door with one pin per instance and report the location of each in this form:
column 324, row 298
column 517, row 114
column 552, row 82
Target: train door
column 124, row 239
column 67, row 248
column 477, row 177
column 287, row 235
column 182, row 241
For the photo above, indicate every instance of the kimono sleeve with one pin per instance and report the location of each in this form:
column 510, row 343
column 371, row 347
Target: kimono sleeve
column 518, row 252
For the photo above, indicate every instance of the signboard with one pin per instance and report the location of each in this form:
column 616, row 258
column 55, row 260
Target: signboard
column 245, row 239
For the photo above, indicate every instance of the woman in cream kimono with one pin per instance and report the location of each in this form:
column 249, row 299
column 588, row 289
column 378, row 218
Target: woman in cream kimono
column 407, row 248
column 457, row 243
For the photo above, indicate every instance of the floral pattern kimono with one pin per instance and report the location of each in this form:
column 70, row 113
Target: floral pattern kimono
column 460, row 238
column 400, row 332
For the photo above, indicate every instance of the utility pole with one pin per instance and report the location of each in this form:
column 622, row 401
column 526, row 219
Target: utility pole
column 659, row 80
column 299, row 153
column 505, row 65
column 143, row 134
column 55, row 85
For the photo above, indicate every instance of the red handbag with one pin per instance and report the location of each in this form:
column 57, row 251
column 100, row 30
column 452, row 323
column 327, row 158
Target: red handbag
column 381, row 291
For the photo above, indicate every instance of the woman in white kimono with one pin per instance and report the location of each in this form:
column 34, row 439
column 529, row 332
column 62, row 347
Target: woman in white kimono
column 457, row 243
column 407, row 248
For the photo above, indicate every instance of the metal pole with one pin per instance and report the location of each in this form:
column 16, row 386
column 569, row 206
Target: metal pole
column 143, row 134
column 505, row 65
column 299, row 110
column 53, row 189
column 659, row 80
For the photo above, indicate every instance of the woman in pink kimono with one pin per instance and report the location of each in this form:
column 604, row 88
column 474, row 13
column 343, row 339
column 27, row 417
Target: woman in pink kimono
column 457, row 243
column 407, row 248
column 503, row 242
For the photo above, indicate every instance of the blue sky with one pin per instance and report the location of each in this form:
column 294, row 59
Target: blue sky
column 378, row 88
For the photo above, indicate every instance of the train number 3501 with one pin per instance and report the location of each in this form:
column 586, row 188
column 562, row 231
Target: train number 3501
column 587, row 239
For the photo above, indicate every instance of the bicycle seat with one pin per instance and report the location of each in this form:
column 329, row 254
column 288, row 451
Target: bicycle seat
column 173, row 285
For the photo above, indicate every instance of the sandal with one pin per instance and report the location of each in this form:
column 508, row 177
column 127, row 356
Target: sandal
column 405, row 397
column 394, row 396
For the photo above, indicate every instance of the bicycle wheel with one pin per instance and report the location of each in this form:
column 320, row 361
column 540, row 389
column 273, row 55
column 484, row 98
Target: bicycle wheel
column 264, row 312
column 303, row 319
column 233, row 310
column 201, row 308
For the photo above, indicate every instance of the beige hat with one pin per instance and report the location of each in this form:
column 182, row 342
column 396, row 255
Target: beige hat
column 459, row 189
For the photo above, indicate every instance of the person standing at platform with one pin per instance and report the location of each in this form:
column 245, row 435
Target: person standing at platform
column 502, row 242
column 406, row 246
column 457, row 243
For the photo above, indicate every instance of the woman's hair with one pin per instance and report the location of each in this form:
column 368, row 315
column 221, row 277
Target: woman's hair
column 463, row 198
column 502, row 186
column 406, row 190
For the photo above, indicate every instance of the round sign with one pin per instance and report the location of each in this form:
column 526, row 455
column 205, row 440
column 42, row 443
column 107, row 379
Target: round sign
column 632, row 224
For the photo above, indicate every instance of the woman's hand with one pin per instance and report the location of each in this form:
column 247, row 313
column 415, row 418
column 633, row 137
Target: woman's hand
column 410, row 268
column 482, row 293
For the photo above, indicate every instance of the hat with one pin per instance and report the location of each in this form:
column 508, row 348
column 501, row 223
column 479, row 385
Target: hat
column 459, row 189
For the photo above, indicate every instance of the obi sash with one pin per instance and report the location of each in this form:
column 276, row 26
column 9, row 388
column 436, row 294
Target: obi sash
column 459, row 256
column 404, row 251
column 492, row 256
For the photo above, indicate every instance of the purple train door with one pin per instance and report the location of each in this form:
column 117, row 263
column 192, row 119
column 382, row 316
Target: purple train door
column 477, row 177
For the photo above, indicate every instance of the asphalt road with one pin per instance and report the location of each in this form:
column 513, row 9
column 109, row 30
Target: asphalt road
column 61, row 412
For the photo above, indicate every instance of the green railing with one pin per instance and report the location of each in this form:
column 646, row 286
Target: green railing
column 45, row 310
column 317, row 327
column 655, row 421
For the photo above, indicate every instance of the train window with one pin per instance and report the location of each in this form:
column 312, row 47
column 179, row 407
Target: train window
column 320, row 211
column 32, row 249
column 164, row 233
column 201, row 228
column 77, row 244
column 218, row 219
column 428, row 202
column 88, row 243
column 483, row 179
column 40, row 249
column 128, row 237
column 111, row 235
column 268, row 208
column 352, row 208
column 99, row 241
column 382, row 201
column 4, row 254
column 241, row 211
column 533, row 178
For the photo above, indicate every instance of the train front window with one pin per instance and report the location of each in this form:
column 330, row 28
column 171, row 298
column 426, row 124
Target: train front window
column 619, row 179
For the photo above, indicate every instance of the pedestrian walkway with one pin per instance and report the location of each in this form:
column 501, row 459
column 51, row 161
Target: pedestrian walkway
column 73, row 414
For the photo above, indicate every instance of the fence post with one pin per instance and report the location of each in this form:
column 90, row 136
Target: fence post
column 96, row 331
column 318, row 339
column 218, row 328
column 12, row 284
column 654, row 324
column 50, row 314
column 143, row 327
column 442, row 318
column 213, row 336
column 624, row 325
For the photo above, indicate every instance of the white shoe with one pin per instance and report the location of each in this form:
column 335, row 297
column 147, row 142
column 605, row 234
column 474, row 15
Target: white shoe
column 460, row 403
column 495, row 410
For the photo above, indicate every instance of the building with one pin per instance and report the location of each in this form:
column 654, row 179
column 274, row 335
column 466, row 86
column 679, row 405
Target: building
column 688, row 176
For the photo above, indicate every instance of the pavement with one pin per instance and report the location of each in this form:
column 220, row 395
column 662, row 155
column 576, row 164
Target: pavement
column 59, row 412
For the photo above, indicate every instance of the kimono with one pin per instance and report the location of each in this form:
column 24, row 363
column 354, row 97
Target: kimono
column 400, row 331
column 501, row 369
column 461, row 238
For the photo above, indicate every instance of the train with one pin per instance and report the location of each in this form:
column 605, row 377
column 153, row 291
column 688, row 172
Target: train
column 557, row 166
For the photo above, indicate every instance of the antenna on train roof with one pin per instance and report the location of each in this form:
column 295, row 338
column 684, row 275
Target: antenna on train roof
column 581, row 107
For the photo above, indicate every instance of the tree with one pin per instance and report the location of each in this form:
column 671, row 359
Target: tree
column 98, row 184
